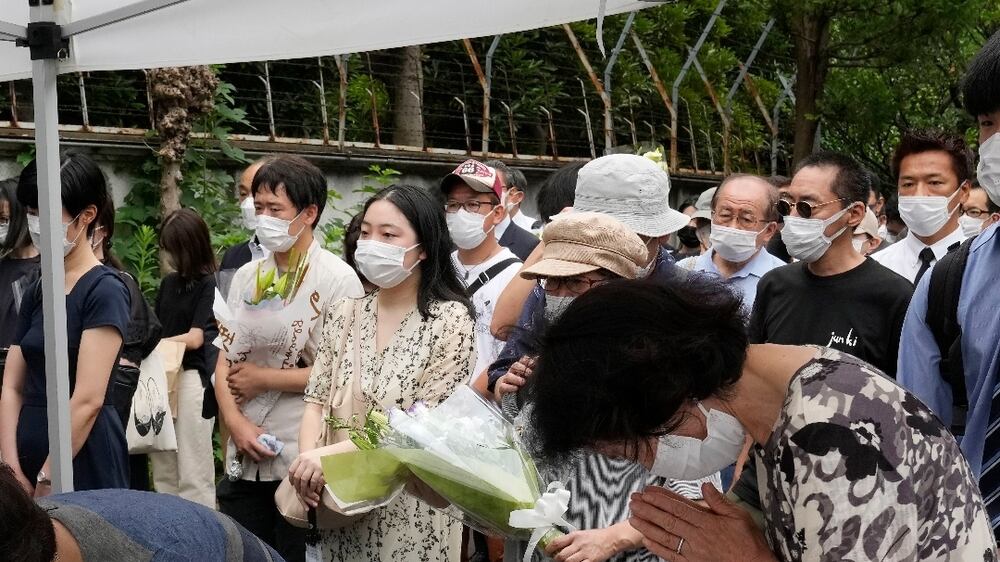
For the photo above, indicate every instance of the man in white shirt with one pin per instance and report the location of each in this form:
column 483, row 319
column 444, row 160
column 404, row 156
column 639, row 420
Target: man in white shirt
column 933, row 173
column 473, row 195
column 268, row 346
column 744, row 218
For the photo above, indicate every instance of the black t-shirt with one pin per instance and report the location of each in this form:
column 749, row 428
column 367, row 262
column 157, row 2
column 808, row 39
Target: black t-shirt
column 859, row 312
column 11, row 271
column 182, row 305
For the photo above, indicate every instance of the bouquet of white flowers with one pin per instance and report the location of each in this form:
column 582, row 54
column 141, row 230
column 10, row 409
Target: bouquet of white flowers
column 464, row 452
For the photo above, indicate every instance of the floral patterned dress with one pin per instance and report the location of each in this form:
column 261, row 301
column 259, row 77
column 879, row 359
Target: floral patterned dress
column 425, row 360
column 858, row 469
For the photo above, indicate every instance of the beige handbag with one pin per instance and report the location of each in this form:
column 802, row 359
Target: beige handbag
column 172, row 353
column 344, row 403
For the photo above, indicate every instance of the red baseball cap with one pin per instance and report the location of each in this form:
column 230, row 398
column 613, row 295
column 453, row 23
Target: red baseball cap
column 478, row 176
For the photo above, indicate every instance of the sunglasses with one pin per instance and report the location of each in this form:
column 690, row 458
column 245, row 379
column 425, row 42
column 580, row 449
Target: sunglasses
column 804, row 209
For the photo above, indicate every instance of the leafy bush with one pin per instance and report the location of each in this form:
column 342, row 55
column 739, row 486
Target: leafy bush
column 333, row 231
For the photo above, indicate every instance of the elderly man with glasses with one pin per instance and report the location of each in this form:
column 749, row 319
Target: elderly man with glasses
column 744, row 218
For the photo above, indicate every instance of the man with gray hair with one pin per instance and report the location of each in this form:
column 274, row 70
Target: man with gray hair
column 509, row 233
column 743, row 219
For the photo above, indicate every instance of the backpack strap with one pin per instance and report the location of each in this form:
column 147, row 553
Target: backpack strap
column 942, row 319
column 490, row 273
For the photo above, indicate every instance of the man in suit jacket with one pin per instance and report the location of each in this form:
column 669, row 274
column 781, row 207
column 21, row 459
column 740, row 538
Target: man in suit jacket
column 511, row 236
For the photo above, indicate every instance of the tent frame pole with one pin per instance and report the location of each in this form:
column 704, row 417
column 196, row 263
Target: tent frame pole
column 43, row 38
column 116, row 15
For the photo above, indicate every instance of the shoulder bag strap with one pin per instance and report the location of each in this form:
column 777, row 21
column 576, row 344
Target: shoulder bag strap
column 356, row 393
column 342, row 346
column 490, row 273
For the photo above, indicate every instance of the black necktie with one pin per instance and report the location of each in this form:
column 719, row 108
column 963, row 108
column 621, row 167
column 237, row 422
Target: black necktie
column 926, row 259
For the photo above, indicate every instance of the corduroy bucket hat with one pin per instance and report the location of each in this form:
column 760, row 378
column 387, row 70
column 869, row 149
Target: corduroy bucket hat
column 583, row 242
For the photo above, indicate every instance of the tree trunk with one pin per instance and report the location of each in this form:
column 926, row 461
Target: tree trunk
column 811, row 33
column 170, row 191
column 408, row 130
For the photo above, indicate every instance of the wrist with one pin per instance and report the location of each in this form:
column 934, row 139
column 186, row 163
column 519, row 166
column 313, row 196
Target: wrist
column 624, row 537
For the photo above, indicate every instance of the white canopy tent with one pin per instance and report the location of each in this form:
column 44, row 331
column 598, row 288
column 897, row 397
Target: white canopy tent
column 91, row 35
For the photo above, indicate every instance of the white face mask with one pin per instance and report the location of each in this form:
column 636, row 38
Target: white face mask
column 859, row 245
column 35, row 231
column 688, row 458
column 382, row 264
column 926, row 215
column 555, row 306
column 466, row 228
column 970, row 226
column 805, row 238
column 249, row 214
column 273, row 235
column 883, row 231
column 988, row 171
column 4, row 229
column 732, row 244
column 507, row 206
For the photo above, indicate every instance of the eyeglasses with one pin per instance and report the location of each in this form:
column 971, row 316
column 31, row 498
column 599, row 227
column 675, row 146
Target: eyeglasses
column 575, row 285
column 746, row 221
column 975, row 213
column 472, row 206
column 804, row 209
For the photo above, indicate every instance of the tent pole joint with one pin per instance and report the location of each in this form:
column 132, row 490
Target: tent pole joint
column 45, row 41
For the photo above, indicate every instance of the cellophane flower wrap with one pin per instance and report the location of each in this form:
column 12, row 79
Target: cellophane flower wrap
column 465, row 451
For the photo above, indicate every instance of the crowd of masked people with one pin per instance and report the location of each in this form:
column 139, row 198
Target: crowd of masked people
column 801, row 368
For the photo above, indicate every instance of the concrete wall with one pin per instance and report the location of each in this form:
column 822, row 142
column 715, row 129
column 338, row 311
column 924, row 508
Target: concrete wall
column 345, row 172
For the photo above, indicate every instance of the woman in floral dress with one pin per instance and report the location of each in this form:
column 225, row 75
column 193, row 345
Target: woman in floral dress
column 415, row 343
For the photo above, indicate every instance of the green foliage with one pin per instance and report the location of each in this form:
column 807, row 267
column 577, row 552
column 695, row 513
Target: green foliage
column 332, row 232
column 141, row 252
column 26, row 155
column 360, row 90
column 205, row 187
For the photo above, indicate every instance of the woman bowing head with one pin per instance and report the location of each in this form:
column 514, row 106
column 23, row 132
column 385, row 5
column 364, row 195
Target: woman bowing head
column 852, row 465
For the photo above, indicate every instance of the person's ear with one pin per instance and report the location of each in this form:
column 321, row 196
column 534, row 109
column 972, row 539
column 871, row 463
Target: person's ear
column 87, row 215
column 965, row 188
column 515, row 197
column 992, row 219
column 856, row 214
column 769, row 231
column 872, row 243
column 310, row 216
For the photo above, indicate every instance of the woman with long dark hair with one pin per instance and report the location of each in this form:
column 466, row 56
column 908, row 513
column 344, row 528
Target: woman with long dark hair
column 414, row 338
column 184, row 307
column 97, row 307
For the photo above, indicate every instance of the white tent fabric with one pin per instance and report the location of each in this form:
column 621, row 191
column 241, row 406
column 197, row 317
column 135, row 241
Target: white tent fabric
column 222, row 31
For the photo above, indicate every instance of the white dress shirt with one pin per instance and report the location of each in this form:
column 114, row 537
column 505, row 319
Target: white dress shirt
column 524, row 221
column 903, row 257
